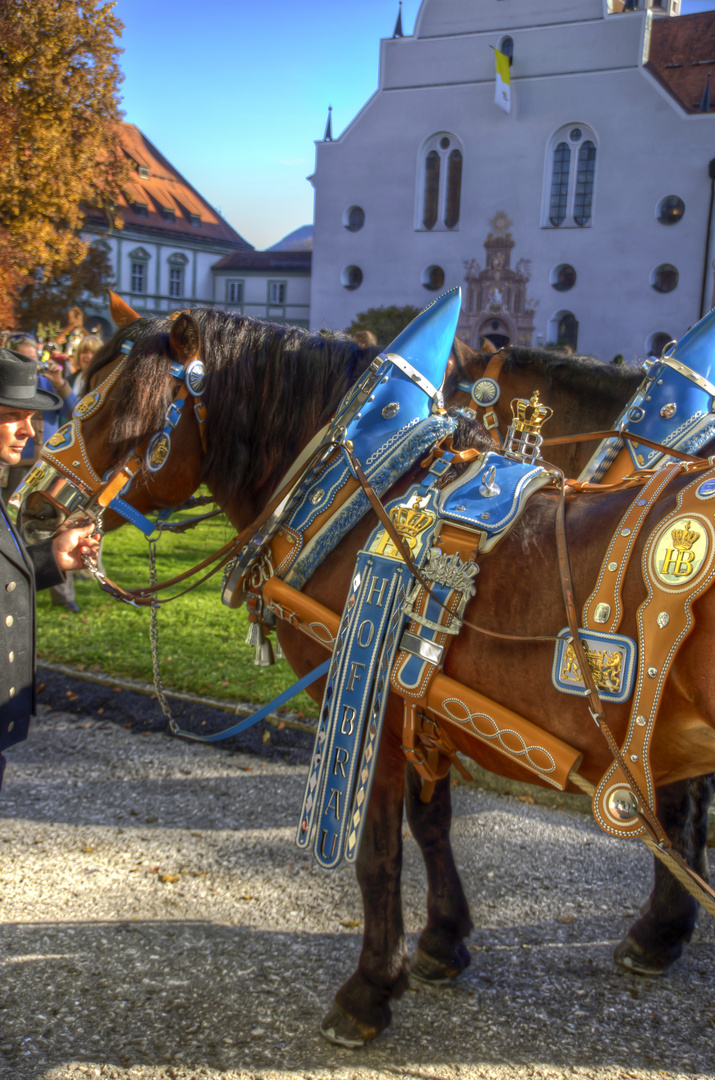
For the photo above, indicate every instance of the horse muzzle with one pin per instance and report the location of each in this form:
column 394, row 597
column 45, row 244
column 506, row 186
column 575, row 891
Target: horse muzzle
column 45, row 501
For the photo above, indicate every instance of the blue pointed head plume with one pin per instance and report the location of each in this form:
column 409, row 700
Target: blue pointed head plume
column 696, row 349
column 427, row 342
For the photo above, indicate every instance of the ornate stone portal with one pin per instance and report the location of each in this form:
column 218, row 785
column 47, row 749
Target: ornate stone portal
column 496, row 305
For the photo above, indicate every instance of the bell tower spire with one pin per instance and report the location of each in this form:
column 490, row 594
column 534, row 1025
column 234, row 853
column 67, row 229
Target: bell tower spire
column 398, row 25
column 328, row 137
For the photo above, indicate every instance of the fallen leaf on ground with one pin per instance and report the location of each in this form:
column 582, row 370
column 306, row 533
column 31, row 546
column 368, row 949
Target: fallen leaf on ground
column 350, row 923
column 527, row 799
column 169, row 879
column 40, row 686
column 567, row 918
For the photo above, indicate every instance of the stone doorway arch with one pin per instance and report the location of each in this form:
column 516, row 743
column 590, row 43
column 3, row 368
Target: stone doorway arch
column 495, row 329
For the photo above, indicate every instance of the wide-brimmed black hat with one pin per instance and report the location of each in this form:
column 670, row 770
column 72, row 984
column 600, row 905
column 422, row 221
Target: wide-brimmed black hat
column 18, row 384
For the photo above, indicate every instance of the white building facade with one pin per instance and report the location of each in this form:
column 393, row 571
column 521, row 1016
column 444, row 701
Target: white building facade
column 580, row 217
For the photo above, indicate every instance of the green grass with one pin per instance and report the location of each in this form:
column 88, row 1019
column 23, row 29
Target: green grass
column 201, row 641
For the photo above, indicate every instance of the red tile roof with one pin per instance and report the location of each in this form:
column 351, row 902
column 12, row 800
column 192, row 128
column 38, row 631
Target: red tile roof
column 166, row 189
column 682, row 52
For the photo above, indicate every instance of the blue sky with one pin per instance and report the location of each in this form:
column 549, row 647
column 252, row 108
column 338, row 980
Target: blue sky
column 234, row 92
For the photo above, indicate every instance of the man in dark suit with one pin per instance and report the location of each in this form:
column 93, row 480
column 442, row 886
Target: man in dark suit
column 25, row 569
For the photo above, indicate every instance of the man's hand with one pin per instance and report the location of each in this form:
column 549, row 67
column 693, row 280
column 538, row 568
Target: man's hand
column 70, row 545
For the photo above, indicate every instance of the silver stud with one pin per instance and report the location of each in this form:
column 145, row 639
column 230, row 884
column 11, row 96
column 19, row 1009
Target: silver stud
column 641, row 721
column 485, row 517
column 317, row 496
column 642, row 502
column 652, row 672
column 11, row 586
column 634, row 757
column 613, row 566
column 668, row 411
column 663, row 619
column 622, row 804
column 625, row 532
column 460, row 508
column 76, row 464
column 602, row 613
column 391, row 409
column 9, row 620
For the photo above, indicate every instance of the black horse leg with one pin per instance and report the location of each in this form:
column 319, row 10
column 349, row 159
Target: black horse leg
column 362, row 1010
column 441, row 952
column 656, row 940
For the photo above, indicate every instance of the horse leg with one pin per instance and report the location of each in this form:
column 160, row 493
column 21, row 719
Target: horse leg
column 361, row 1009
column 441, row 952
column 667, row 922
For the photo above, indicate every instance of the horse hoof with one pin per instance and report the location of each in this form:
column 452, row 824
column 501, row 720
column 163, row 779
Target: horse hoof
column 426, row 969
column 630, row 955
column 338, row 1028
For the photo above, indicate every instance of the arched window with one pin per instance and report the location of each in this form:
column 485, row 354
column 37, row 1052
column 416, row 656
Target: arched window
column 570, row 177
column 563, row 330
column 439, row 184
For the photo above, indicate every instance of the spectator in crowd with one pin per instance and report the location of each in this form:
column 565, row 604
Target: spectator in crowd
column 46, row 423
column 25, row 569
column 84, row 355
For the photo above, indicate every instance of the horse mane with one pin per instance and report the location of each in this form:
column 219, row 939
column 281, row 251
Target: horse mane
column 269, row 388
column 576, row 374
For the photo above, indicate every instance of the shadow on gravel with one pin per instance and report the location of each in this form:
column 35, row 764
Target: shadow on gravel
column 138, row 712
column 248, row 800
column 199, row 994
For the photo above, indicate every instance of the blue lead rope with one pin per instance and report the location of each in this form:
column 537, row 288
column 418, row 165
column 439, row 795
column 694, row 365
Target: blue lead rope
column 249, row 721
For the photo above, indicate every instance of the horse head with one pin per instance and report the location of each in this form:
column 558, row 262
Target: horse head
column 133, row 440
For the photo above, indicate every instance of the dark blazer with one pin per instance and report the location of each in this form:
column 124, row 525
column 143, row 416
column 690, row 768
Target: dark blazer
column 22, row 571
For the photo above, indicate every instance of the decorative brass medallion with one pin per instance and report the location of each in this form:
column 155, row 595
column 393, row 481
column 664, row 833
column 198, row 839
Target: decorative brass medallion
column 87, row 405
column 411, row 521
column 681, row 551
column 157, row 451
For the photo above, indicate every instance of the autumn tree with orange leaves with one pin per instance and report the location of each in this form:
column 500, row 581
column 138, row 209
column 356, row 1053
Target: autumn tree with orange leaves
column 59, row 145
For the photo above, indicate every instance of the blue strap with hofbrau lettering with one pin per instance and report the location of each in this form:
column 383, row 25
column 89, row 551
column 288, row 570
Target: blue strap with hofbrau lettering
column 352, row 714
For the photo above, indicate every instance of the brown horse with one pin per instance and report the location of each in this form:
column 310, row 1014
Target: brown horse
column 265, row 400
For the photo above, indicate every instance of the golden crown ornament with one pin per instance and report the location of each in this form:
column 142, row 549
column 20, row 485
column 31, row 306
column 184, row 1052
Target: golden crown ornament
column 523, row 438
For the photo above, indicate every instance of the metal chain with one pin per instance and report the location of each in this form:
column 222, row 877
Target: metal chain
column 154, row 640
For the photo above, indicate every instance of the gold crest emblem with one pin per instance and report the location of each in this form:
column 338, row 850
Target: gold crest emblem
column 411, row 521
column 85, row 406
column 680, row 552
column 606, row 667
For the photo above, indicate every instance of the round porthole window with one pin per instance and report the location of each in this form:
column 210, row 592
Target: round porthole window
column 354, row 218
column 656, row 343
column 563, row 277
column 664, row 278
column 351, row 277
column 433, row 278
column 670, row 210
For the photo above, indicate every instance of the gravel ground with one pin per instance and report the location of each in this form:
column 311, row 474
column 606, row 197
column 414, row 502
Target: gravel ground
column 159, row 922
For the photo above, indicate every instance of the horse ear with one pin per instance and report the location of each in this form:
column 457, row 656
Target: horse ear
column 122, row 314
column 487, row 347
column 184, row 337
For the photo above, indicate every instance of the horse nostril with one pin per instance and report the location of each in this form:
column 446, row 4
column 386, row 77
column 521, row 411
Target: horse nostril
column 39, row 519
